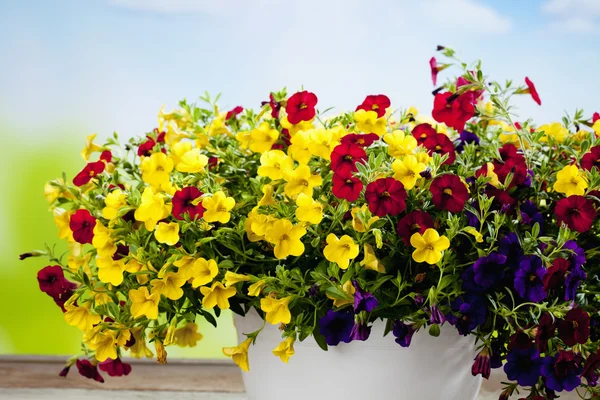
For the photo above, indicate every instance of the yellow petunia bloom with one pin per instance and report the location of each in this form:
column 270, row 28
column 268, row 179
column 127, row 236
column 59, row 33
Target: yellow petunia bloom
column 217, row 207
column 231, row 278
column 161, row 352
column 169, row 286
column 81, row 317
column 285, row 349
column 298, row 148
column 277, row 310
column 217, row 295
column 408, row 170
column 114, row 200
column 56, row 190
column 349, row 289
column 139, row 349
column 156, row 169
column 274, row 164
column 62, row 219
column 293, row 129
column 217, row 126
column 144, row 303
column 256, row 288
column 102, row 241
column 596, row 127
column 286, row 238
column 192, row 162
column 77, row 258
column 101, row 296
column 475, row 233
column 105, row 344
column 167, row 233
column 203, row 272
column 308, row 209
column 322, row 143
column 239, row 354
column 368, row 122
column 429, row 247
column 400, row 144
column 267, row 199
column 178, row 150
column 360, row 214
column 152, row 209
column 185, row 267
column 370, row 261
column 301, row 180
column 554, row 130
column 570, row 181
column 263, row 138
column 188, row 335
column 90, row 147
column 340, row 251
column 110, row 271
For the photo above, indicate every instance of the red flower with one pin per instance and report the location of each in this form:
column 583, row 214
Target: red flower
column 386, row 196
column 183, row 203
column 595, row 117
column 449, row 193
column 533, row 91
column 88, row 172
column 145, row 149
column 413, row 222
column 555, row 276
column 88, row 370
column 519, row 340
column 301, row 107
column 511, row 162
column 545, row 332
column 106, row 156
column 591, row 159
column 422, row 132
column 213, row 162
column 576, row 212
column 233, row 112
column 52, row 281
column 434, row 70
column 441, row 144
column 160, row 136
column 344, row 158
column 348, row 188
column 592, row 364
column 575, row 328
column 275, row 106
column 454, row 110
column 502, row 199
column 115, row 367
column 82, row 224
column 360, row 140
column 375, row 102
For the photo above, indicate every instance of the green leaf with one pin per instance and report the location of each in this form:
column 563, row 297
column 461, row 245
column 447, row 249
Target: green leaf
column 320, row 339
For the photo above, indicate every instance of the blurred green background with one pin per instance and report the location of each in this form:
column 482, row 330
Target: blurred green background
column 30, row 322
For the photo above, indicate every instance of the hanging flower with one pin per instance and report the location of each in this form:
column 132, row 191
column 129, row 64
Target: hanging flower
column 285, row 349
column 523, row 366
column 362, row 140
column 90, row 171
column 591, row 159
column 429, row 247
column 234, row 112
column 239, row 354
column 408, row 171
column 529, row 279
column 510, row 246
column 340, row 251
column 115, row 367
column 465, row 138
column 422, row 132
column 488, row 271
column 482, row 366
column 555, row 275
column 144, row 303
column 363, row 300
column 336, row 327
column 440, row 144
column 360, row 331
column 375, row 102
column 217, row 295
column 576, row 212
column 570, row 181
column 453, row 110
column 286, row 238
column 472, row 312
column 275, row 164
column 301, row 107
column 82, row 225
column 592, row 364
column 575, row 327
column 52, row 281
column 186, row 201
column 562, row 371
column 449, row 193
column 89, row 370
column 403, row 333
column 530, row 214
column 386, row 196
column 573, row 281
column 167, row 233
column 344, row 158
column 544, row 332
column 435, row 69
column 217, row 207
column 276, row 310
column 414, row 222
column 347, row 188
column 533, row 91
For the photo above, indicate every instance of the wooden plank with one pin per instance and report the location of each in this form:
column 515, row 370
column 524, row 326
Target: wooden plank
column 93, row 394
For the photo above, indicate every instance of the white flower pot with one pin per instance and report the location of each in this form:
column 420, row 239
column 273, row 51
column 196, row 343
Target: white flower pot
column 430, row 369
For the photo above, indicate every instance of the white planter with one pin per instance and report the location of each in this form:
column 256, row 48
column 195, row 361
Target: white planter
column 379, row 369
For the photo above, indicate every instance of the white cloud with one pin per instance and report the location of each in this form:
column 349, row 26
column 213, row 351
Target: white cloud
column 562, row 7
column 466, row 15
column 574, row 16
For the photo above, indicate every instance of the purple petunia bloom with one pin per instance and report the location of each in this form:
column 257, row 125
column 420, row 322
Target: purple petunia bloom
column 468, row 282
column 489, row 270
column 562, row 372
column 360, row 331
column 473, row 311
column 436, row 316
column 336, row 327
column 511, row 247
column 496, row 356
column 572, row 282
column 472, row 219
column 529, row 279
column 523, row 366
column 466, row 137
column 530, row 214
column 576, row 255
column 403, row 333
column 363, row 300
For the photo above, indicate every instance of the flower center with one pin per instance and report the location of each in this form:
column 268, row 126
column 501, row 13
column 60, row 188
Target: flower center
column 160, row 168
column 222, row 209
column 302, row 106
column 385, row 194
column 429, row 247
column 285, row 237
column 348, row 157
column 304, row 182
column 438, row 147
column 375, row 107
column 448, row 191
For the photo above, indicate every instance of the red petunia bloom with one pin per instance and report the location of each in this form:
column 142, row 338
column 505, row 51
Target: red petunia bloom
column 533, row 91
column 422, row 132
column 576, row 212
column 386, row 196
column 592, row 364
column 360, row 140
column 544, row 332
column 213, row 162
column 88, row 370
column 275, row 106
column 434, row 70
column 301, row 107
column 441, row 144
column 449, row 193
column 555, row 275
column 160, row 136
column 183, row 203
column 88, row 172
column 595, row 117
column 502, row 199
column 145, row 149
column 375, row 102
column 591, row 159
column 348, row 188
column 454, row 110
column 344, row 158
column 414, row 222
column 52, row 281
column 82, row 224
column 234, row 112
column 115, row 367
column 513, row 162
column 106, row 156
column 575, row 327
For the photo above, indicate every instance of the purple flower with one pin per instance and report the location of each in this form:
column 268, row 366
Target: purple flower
column 572, row 282
column 473, row 312
column 530, row 214
column 88, row 370
column 336, row 327
column 562, row 371
column 489, row 270
column 523, row 366
column 363, row 300
column 511, row 248
column 403, row 333
column 419, row 300
column 529, row 279
column 472, row 219
column 360, row 331
column 468, row 282
column 436, row 316
column 65, row 371
column 481, row 366
column 313, row 290
column 576, row 255
column 466, row 137
column 496, row 356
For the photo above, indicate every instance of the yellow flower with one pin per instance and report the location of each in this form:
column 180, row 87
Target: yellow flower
column 370, row 261
column 187, row 335
column 472, row 231
column 161, row 352
column 178, row 150
column 109, row 270
column 429, row 246
column 105, row 344
column 301, row 180
column 399, row 143
column 167, row 233
column 277, row 311
column 570, row 182
column 185, row 267
column 491, row 174
column 293, row 129
column 231, row 278
column 62, row 219
column 217, row 207
column 360, row 214
column 286, row 238
column 77, row 258
column 341, row 250
column 596, row 127
column 275, row 164
column 256, row 288
column 285, row 349
column 263, row 138
column 349, row 289
column 152, row 209
column 239, row 354
column 322, row 143
column 308, row 209
column 90, row 147
column 192, row 162
column 267, row 199
column 298, row 148
column 408, row 171
column 169, row 286
column 156, row 169
column 144, row 303
column 56, row 189
column 139, row 348
column 368, row 122
column 244, row 139
column 114, row 200
column 217, row 126
column 101, row 296
column 217, row 295
column 102, row 241
column 80, row 317
column 554, row 130
column 203, row 272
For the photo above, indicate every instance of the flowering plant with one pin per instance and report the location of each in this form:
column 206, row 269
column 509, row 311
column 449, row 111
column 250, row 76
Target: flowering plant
column 326, row 224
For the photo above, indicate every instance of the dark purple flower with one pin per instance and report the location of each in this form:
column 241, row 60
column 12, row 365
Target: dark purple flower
column 511, row 247
column 496, row 348
column 336, row 327
column 572, row 282
column 575, row 327
column 576, row 253
column 545, row 332
column 473, row 312
column 419, row 300
column 520, row 341
column 489, row 270
column 403, row 333
column 589, row 369
column 65, row 371
column 530, row 214
column 115, row 367
column 529, row 279
column 313, row 290
column 436, row 316
column 472, row 219
column 481, row 366
column 466, row 137
column 363, row 300
column 468, row 282
column 595, row 328
column 88, row 370
column 562, row 371
column 523, row 366
column 360, row 331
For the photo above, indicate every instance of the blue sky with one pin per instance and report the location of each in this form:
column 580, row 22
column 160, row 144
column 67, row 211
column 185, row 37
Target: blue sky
column 104, row 65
